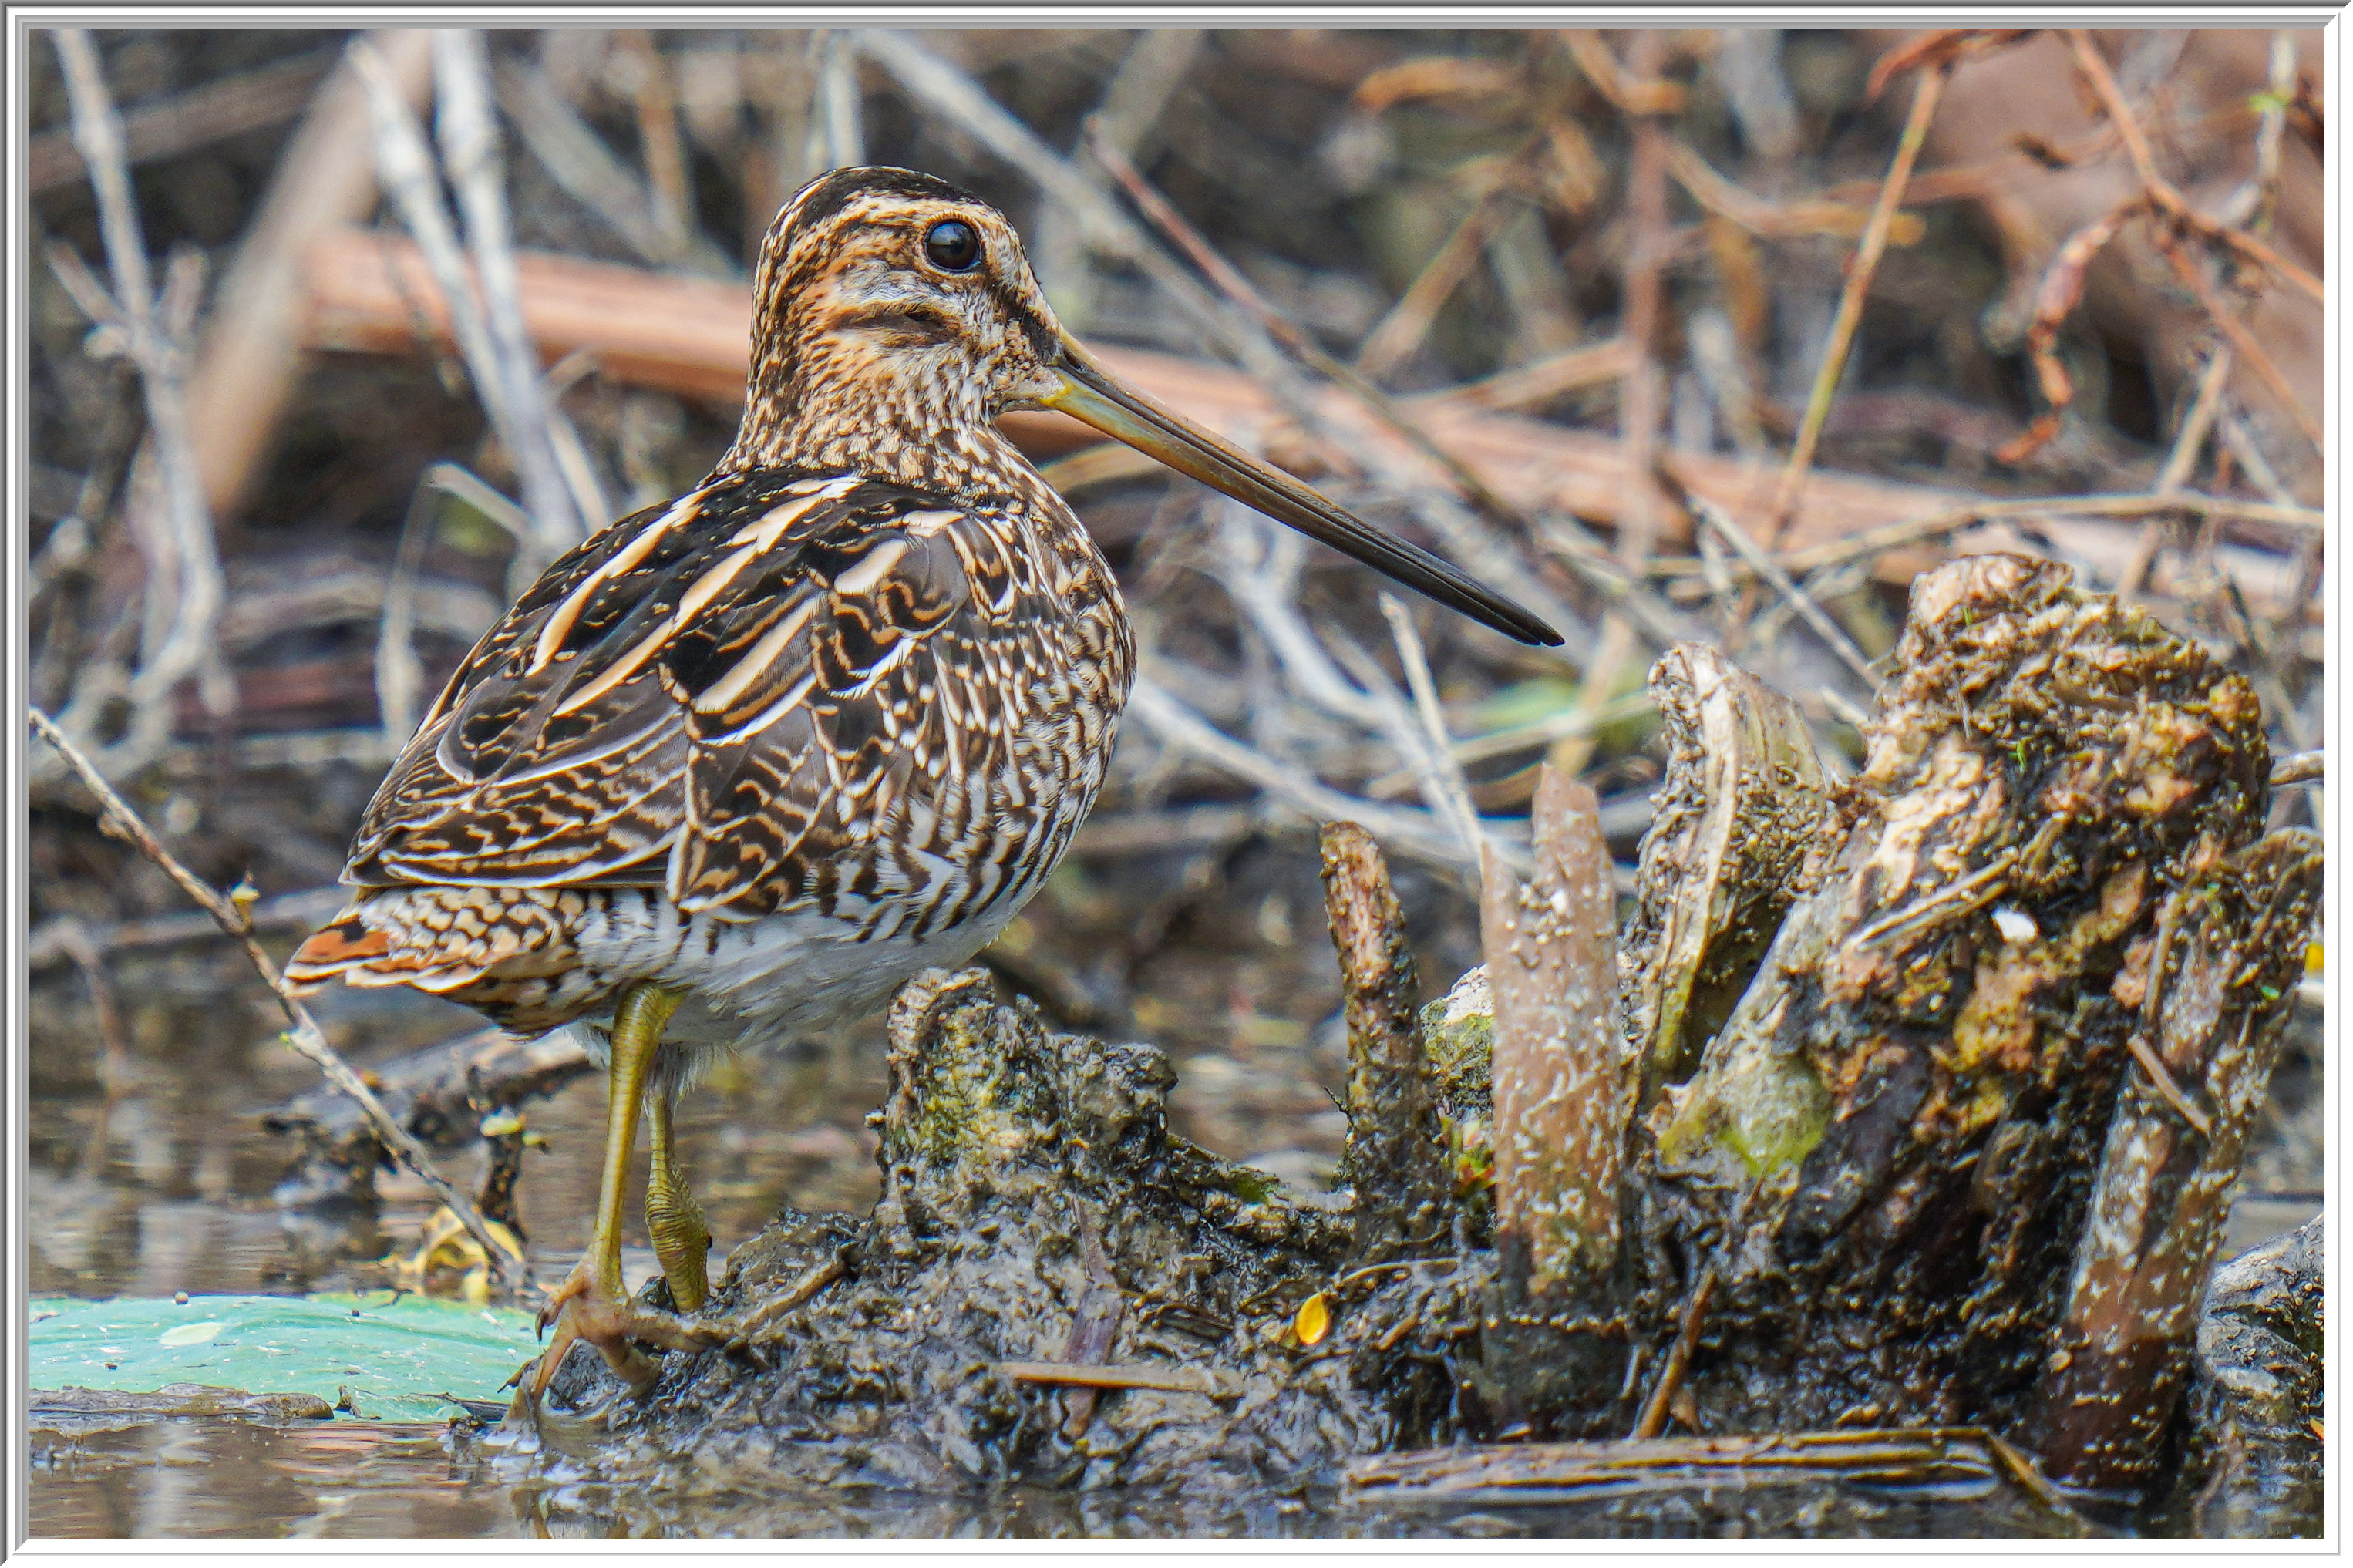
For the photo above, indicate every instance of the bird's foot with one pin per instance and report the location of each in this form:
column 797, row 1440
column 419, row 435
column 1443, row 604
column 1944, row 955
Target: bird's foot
column 587, row 1307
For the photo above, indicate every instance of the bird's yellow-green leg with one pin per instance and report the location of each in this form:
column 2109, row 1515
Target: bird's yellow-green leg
column 681, row 1235
column 592, row 1304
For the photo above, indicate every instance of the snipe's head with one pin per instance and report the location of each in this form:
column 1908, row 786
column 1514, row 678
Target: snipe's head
column 895, row 319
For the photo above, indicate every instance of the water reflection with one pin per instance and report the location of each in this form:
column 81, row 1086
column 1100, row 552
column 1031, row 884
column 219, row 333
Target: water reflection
column 213, row 1477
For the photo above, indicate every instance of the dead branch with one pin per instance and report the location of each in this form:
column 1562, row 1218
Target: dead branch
column 2162, row 193
column 305, row 1036
column 691, row 336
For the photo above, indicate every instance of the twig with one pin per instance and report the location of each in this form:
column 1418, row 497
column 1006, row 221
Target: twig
column 1641, row 296
column 2270, row 130
column 753, row 1327
column 305, row 1036
column 1239, row 291
column 399, row 673
column 1843, row 710
column 672, row 206
column 114, row 1071
column 1539, row 381
column 1911, row 530
column 1654, row 1419
column 1635, row 89
column 1849, row 318
column 2054, row 297
column 2021, row 1469
column 2303, row 767
column 2160, row 1080
column 1716, row 517
column 1559, row 726
column 1395, row 336
column 1178, row 725
column 404, row 164
column 1148, row 76
column 2241, row 443
column 1777, row 220
column 838, row 97
column 1454, row 795
column 2182, row 460
column 251, row 101
column 2258, row 361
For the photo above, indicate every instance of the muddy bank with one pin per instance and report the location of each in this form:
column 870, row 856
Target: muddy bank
column 1917, row 1111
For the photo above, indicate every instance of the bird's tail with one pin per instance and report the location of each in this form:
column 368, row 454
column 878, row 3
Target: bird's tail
column 334, row 951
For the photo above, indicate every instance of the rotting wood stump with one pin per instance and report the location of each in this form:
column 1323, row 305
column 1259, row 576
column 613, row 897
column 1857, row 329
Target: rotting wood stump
column 1913, row 1113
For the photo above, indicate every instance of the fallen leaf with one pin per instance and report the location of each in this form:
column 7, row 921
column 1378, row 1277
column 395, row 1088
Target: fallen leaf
column 190, row 1334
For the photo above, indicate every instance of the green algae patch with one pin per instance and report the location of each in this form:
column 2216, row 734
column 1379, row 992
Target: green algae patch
column 393, row 1360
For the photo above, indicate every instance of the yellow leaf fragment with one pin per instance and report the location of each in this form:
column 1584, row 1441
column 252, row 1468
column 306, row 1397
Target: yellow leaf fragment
column 1313, row 1321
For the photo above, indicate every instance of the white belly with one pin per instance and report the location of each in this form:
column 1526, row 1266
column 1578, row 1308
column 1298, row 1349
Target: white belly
column 758, row 982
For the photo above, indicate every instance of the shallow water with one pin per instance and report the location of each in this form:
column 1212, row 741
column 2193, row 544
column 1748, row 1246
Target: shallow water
column 170, row 1187
column 358, row 1480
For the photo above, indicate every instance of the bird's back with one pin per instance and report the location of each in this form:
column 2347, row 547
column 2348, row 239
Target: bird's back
column 784, row 694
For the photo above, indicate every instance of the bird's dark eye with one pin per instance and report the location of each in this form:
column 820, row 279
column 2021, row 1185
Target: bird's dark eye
column 952, row 245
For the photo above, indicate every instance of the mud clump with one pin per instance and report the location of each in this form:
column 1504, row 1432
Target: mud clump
column 1915, row 1119
column 1035, row 1210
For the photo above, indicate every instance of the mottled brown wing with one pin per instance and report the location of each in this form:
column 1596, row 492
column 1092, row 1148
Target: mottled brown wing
column 718, row 697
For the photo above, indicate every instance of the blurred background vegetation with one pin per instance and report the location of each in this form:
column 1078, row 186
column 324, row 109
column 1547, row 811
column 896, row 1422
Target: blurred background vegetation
column 1558, row 304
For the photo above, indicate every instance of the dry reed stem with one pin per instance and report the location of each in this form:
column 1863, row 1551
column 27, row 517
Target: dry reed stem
column 471, row 157
column 689, row 336
column 1452, row 793
column 2182, row 460
column 179, row 642
column 589, row 172
column 1849, row 319
column 117, row 816
column 656, row 100
column 1395, row 336
column 1172, row 723
column 1239, row 291
column 1764, row 565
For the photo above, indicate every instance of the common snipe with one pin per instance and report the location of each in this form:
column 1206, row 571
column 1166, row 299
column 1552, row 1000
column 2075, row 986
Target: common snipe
column 739, row 765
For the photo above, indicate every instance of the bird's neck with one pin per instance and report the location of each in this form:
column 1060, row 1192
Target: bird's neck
column 839, row 407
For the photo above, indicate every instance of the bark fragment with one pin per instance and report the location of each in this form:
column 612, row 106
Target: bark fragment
column 1559, row 1084
column 1397, row 1162
column 1737, row 831
column 1911, row 1098
column 2122, row 1352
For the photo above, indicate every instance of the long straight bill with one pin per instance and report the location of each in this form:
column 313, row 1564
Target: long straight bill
column 1090, row 393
